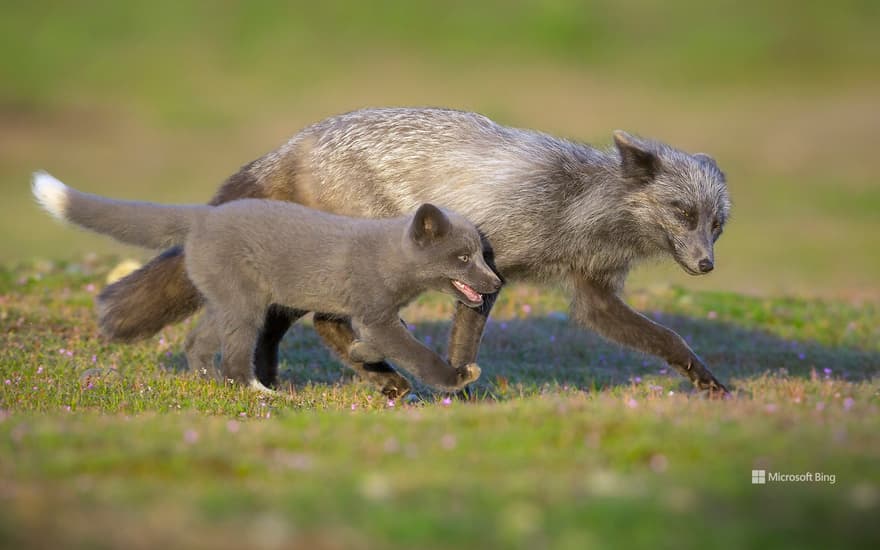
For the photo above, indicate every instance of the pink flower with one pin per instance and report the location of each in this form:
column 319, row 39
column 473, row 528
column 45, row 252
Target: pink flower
column 447, row 401
column 353, row 406
column 632, row 403
column 40, row 370
column 526, row 308
column 659, row 463
column 190, row 436
column 712, row 315
column 848, row 403
column 390, row 403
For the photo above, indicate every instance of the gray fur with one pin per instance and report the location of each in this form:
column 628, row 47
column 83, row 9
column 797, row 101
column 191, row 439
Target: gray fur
column 250, row 255
column 552, row 209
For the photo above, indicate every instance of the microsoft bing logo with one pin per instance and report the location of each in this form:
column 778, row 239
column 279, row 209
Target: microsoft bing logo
column 759, row 477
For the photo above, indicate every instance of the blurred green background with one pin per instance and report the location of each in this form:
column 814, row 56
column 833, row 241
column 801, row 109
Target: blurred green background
column 162, row 100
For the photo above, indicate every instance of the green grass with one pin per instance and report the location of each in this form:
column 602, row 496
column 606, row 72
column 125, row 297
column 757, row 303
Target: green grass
column 565, row 442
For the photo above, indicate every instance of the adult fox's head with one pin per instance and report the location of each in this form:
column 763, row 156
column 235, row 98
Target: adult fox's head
column 679, row 200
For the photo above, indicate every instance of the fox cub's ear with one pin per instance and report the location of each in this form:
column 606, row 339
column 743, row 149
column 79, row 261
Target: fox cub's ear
column 428, row 224
column 638, row 162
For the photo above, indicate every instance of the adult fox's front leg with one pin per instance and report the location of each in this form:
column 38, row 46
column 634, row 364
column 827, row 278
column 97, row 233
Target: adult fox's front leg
column 469, row 323
column 600, row 308
column 467, row 330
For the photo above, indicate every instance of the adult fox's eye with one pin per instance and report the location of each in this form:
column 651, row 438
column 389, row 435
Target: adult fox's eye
column 464, row 258
column 681, row 211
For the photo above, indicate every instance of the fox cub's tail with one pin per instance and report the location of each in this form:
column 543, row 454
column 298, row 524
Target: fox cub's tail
column 139, row 223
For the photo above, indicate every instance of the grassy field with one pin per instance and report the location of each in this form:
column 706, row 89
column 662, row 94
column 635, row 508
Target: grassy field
column 565, row 442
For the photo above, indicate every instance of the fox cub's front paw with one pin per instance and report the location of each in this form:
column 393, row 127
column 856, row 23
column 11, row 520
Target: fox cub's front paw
column 363, row 352
column 467, row 374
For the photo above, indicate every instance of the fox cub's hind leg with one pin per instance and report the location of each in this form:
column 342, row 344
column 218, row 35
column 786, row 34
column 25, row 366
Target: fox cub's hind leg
column 202, row 344
column 238, row 336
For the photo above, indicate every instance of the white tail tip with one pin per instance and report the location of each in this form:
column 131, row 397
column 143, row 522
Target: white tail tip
column 50, row 193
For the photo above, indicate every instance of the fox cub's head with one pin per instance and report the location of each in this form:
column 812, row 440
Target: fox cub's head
column 448, row 255
column 679, row 200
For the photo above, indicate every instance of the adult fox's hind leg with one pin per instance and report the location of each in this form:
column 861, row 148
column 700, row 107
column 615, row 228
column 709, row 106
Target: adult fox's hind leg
column 278, row 320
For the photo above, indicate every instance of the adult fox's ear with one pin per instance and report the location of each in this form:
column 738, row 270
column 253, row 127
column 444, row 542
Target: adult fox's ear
column 709, row 163
column 429, row 223
column 637, row 161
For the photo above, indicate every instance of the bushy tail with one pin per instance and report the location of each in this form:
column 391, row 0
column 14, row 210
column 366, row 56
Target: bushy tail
column 133, row 222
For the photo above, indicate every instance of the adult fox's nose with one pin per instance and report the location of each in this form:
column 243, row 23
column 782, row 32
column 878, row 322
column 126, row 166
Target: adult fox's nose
column 706, row 265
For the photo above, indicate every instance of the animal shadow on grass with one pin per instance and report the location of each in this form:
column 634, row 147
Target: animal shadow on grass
column 529, row 354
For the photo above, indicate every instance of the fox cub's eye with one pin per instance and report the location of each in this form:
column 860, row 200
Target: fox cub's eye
column 464, row 258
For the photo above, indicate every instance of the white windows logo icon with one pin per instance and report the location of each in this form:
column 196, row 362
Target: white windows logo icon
column 759, row 477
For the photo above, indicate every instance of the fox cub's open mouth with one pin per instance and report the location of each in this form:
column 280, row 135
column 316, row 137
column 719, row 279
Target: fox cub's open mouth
column 472, row 296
